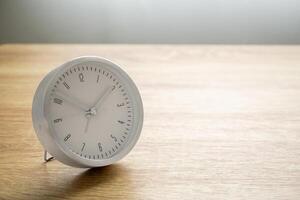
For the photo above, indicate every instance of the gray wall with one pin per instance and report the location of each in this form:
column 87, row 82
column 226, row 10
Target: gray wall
column 150, row 21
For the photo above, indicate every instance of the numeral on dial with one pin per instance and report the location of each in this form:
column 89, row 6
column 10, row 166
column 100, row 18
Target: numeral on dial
column 57, row 120
column 83, row 145
column 58, row 101
column 66, row 85
column 100, row 147
column 121, row 104
column 81, row 77
column 121, row 122
column 114, row 138
column 67, row 137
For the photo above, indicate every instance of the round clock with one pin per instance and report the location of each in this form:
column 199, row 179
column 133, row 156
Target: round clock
column 87, row 112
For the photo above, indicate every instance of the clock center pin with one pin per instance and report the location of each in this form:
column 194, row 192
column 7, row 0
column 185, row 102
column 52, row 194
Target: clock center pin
column 91, row 112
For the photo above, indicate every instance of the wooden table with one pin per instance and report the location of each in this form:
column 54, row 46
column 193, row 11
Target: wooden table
column 221, row 122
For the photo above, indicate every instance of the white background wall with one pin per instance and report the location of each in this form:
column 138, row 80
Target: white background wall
column 151, row 21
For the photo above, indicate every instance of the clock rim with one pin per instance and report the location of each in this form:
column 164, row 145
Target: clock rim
column 68, row 157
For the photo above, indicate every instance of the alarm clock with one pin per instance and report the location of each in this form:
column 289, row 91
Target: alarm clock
column 87, row 112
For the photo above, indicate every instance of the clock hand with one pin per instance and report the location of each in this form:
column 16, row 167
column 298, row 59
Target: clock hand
column 72, row 100
column 103, row 97
column 88, row 117
column 88, row 114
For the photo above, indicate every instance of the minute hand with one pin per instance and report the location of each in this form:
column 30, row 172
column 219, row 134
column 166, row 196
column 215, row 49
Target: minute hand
column 103, row 97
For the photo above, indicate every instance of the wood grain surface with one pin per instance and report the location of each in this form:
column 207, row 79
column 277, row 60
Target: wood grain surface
column 221, row 122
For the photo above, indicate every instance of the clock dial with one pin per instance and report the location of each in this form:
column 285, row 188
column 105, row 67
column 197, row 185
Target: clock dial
column 90, row 110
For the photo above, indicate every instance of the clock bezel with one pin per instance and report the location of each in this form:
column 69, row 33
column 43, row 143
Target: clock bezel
column 60, row 151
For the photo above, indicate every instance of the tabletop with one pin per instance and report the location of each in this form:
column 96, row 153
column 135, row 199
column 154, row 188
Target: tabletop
column 221, row 122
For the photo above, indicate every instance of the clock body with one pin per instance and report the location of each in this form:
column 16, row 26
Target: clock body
column 87, row 112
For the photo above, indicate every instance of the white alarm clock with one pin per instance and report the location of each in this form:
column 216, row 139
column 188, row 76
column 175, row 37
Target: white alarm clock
column 87, row 112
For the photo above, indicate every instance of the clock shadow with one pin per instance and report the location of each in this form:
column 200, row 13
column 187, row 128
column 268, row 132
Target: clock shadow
column 102, row 181
column 111, row 181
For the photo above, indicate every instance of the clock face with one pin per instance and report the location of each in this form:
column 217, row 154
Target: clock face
column 91, row 108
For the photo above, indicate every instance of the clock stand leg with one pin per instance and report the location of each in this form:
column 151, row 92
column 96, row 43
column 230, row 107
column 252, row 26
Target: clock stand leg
column 46, row 158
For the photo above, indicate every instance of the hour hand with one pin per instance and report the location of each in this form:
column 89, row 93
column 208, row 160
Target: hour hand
column 72, row 100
